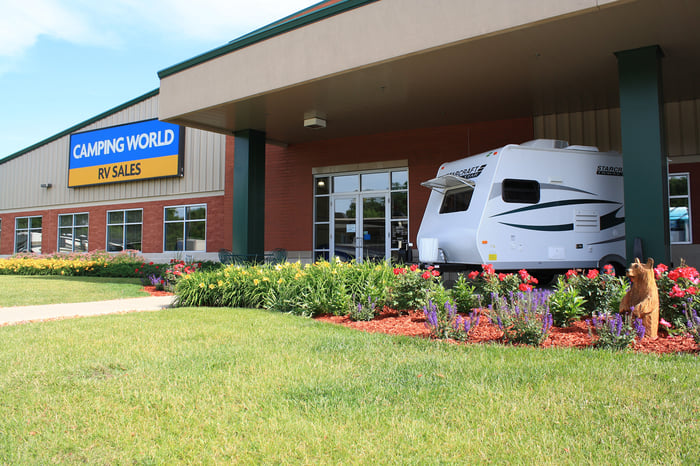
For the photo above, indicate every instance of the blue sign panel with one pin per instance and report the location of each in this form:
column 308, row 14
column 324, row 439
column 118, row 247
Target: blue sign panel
column 137, row 151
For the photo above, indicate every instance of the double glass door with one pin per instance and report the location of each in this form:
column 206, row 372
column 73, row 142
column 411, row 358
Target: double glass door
column 361, row 225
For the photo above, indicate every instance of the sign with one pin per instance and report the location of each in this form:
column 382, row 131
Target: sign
column 137, row 151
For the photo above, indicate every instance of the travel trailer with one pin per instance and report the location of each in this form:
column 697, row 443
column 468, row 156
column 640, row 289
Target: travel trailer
column 542, row 205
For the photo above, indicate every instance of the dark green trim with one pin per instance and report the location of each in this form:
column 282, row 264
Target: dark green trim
column 562, row 227
column 643, row 152
column 248, row 193
column 266, row 32
column 547, row 205
column 79, row 126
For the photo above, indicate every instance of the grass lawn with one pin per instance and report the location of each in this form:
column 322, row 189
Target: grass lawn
column 24, row 290
column 200, row 385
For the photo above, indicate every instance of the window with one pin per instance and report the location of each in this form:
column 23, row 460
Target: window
column 456, row 199
column 124, row 230
column 679, row 207
column 521, row 191
column 28, row 234
column 73, row 232
column 186, row 228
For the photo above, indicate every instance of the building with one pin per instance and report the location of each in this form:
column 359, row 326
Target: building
column 313, row 134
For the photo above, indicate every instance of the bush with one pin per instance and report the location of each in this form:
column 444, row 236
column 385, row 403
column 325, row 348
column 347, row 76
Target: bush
column 411, row 286
column 364, row 310
column 489, row 284
column 614, row 331
column 565, row 304
column 678, row 288
column 524, row 318
column 602, row 292
column 464, row 295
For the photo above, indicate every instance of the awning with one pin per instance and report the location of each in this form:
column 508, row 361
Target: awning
column 441, row 183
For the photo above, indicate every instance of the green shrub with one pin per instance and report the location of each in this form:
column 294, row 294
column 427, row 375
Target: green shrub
column 678, row 288
column 602, row 292
column 565, row 304
column 410, row 288
column 464, row 295
column 443, row 321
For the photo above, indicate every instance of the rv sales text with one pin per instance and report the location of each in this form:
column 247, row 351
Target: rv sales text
column 471, row 172
column 129, row 143
column 117, row 171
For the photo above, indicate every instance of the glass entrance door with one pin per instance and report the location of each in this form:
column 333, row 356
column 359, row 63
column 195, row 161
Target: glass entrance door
column 360, row 227
column 344, row 230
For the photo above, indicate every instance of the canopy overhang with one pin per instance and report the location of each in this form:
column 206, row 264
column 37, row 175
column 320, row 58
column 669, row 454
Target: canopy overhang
column 387, row 65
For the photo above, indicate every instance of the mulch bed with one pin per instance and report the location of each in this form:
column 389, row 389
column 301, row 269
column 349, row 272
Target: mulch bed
column 153, row 292
column 413, row 324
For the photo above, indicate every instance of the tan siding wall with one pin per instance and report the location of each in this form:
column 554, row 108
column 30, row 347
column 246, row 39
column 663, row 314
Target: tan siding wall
column 601, row 128
column 20, row 178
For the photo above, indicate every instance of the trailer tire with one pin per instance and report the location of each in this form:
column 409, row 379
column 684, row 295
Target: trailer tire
column 617, row 262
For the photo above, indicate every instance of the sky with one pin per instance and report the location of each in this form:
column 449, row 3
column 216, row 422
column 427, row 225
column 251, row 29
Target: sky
column 65, row 61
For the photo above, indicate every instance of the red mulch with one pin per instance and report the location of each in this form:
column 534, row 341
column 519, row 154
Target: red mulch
column 153, row 292
column 413, row 324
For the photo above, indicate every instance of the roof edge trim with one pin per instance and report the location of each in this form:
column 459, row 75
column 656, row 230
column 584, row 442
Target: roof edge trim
column 75, row 128
column 276, row 28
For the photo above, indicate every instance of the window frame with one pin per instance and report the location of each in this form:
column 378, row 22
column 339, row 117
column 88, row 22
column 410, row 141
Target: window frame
column 184, row 222
column 72, row 227
column 687, row 196
column 124, row 225
column 29, row 230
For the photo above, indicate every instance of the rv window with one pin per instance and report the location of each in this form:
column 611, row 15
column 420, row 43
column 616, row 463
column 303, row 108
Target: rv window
column 456, row 200
column 521, row 191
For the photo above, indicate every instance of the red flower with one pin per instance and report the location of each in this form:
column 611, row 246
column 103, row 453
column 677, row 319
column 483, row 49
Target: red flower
column 414, row 267
column 136, row 270
column 592, row 274
column 436, row 273
column 426, row 275
column 674, row 275
column 525, row 287
column 523, row 275
column 533, row 280
column 692, row 290
column 150, row 263
column 399, row 271
column 501, row 276
column 676, row 292
column 570, row 273
column 473, row 274
column 156, row 267
column 488, row 269
column 609, row 269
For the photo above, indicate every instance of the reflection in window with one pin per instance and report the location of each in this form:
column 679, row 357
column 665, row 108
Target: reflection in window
column 185, row 228
column 679, row 207
column 28, row 234
column 124, row 230
column 73, row 233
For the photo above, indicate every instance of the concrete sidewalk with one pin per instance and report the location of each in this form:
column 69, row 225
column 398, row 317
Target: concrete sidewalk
column 22, row 314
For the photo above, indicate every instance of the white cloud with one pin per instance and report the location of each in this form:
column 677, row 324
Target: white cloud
column 109, row 23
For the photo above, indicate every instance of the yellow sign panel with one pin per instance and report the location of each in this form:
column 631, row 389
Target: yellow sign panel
column 125, row 171
column 493, row 257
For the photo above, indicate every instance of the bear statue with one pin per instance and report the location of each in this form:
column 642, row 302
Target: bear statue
column 642, row 299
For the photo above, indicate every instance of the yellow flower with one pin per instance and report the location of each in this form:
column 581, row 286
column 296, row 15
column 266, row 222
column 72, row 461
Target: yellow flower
column 256, row 281
column 202, row 285
column 212, row 286
column 280, row 281
column 221, row 283
column 265, row 279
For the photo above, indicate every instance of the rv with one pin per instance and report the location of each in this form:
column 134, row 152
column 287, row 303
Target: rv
column 542, row 205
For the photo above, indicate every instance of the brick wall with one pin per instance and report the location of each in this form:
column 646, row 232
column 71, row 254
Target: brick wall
column 289, row 180
column 97, row 236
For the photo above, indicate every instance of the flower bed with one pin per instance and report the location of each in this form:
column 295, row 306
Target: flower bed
column 577, row 335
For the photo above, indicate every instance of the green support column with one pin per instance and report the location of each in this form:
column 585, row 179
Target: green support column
column 249, row 193
column 644, row 154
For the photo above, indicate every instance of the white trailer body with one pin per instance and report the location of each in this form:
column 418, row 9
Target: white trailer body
column 537, row 205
